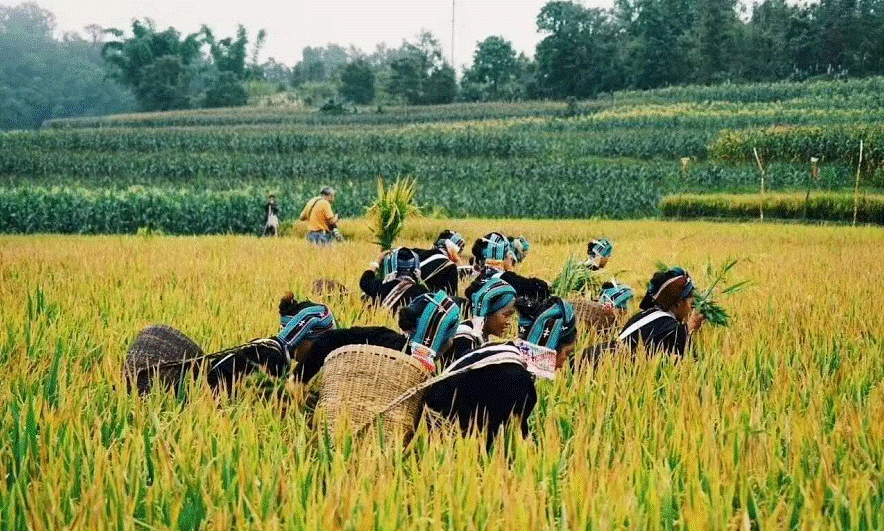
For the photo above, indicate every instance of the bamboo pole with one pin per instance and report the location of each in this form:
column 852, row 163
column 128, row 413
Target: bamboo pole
column 856, row 184
column 761, row 170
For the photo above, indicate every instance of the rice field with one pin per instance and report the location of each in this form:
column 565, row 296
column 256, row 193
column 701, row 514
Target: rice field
column 777, row 424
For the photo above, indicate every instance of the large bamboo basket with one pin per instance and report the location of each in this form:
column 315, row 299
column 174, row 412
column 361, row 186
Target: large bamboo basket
column 360, row 381
column 160, row 354
column 593, row 315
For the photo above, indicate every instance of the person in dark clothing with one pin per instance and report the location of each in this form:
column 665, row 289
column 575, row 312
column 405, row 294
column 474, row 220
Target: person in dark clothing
column 665, row 322
column 493, row 384
column 492, row 304
column 399, row 281
column 439, row 265
column 301, row 323
column 494, row 258
column 428, row 324
column 271, row 225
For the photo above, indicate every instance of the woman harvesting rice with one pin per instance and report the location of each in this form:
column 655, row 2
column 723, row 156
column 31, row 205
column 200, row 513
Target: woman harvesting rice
column 493, row 304
column 520, row 248
column 428, row 324
column 400, row 283
column 494, row 258
column 438, row 266
column 300, row 324
column 498, row 383
column 666, row 321
column 598, row 253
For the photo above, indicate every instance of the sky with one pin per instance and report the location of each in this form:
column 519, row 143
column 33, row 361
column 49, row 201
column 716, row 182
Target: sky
column 292, row 26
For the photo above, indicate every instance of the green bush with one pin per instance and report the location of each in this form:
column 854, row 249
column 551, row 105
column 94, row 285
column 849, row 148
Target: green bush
column 820, row 207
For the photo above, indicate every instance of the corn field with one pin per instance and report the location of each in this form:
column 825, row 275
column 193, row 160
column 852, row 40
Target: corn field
column 774, row 423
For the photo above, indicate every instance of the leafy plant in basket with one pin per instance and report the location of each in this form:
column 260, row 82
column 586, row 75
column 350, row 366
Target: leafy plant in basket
column 705, row 300
column 393, row 205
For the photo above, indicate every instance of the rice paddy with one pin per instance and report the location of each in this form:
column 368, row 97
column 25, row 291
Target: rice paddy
column 775, row 423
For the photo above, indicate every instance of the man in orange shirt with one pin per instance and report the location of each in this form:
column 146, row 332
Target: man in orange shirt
column 322, row 223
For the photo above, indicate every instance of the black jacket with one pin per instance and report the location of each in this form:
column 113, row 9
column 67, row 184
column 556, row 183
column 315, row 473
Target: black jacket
column 228, row 366
column 665, row 334
column 488, row 397
column 532, row 288
column 378, row 336
column 377, row 290
column 438, row 272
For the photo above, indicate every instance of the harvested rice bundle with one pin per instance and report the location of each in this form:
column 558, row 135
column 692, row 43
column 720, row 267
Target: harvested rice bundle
column 390, row 210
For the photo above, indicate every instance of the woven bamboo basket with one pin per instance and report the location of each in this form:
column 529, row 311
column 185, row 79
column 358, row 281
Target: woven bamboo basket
column 160, row 354
column 360, row 381
column 593, row 315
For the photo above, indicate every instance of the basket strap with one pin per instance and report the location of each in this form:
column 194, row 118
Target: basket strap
column 495, row 359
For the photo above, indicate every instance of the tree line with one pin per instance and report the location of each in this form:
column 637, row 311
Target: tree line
column 637, row 44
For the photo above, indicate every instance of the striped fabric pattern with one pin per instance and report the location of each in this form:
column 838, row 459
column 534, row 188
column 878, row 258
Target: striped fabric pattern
column 306, row 324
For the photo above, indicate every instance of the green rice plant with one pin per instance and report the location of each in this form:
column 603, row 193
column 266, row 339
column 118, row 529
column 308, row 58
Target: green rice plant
column 393, row 206
column 575, row 277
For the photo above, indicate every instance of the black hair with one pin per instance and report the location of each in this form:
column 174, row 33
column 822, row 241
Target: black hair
column 529, row 308
column 608, row 285
column 657, row 280
column 407, row 318
column 288, row 305
column 478, row 250
column 444, row 235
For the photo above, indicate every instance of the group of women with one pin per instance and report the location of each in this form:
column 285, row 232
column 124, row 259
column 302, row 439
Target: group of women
column 490, row 380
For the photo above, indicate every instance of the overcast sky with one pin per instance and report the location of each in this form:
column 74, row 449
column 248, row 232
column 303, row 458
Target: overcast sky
column 293, row 25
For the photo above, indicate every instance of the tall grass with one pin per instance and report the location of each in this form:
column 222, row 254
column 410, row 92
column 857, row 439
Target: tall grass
column 774, row 425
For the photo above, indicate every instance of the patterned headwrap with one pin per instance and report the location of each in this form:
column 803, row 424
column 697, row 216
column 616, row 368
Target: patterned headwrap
column 616, row 295
column 400, row 262
column 667, row 288
column 438, row 317
column 452, row 244
column 308, row 323
column 497, row 247
column 493, row 295
column 601, row 247
column 553, row 326
column 520, row 247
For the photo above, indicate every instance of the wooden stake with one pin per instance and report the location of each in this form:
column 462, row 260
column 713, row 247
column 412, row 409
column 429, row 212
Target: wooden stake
column 761, row 170
column 856, row 185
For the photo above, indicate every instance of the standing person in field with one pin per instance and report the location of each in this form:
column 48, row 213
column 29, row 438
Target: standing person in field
column 322, row 222
column 271, row 226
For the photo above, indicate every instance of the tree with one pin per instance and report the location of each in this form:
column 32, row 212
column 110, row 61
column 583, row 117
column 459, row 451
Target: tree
column 578, row 58
column 420, row 75
column 227, row 91
column 494, row 70
column 43, row 78
column 713, row 46
column 357, row 82
column 158, row 66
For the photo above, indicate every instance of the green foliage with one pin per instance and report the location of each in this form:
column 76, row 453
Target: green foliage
column 832, row 143
column 357, row 82
column 575, row 277
column 706, row 299
column 825, row 207
column 42, row 77
column 393, row 205
column 226, row 91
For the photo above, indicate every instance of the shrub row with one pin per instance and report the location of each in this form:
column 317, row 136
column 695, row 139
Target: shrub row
column 820, row 207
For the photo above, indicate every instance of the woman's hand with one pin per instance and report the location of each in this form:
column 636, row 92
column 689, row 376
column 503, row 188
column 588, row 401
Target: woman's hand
column 695, row 321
